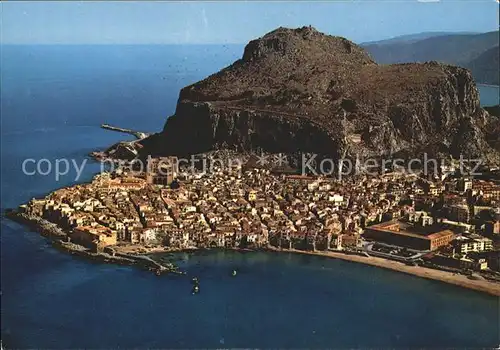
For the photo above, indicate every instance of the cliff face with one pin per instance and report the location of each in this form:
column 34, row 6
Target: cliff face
column 301, row 90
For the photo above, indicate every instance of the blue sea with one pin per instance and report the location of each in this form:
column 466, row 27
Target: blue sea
column 53, row 100
column 489, row 95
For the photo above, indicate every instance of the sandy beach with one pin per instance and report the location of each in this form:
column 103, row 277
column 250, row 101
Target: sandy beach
column 443, row 276
column 420, row 271
column 484, row 286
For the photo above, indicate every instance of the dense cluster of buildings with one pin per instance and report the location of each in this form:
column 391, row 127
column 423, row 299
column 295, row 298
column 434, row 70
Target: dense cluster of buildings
column 454, row 222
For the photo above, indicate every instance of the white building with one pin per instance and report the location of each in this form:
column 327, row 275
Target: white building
column 465, row 245
column 420, row 217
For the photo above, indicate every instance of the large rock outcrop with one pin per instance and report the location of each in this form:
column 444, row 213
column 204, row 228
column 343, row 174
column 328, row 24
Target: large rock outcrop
column 301, row 90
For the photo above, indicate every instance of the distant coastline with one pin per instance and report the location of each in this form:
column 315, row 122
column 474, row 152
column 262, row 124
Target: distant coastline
column 488, row 94
column 488, row 85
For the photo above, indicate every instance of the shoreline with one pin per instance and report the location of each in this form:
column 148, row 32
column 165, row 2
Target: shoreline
column 140, row 256
column 58, row 239
column 459, row 280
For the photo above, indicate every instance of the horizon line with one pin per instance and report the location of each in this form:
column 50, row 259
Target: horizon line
column 444, row 33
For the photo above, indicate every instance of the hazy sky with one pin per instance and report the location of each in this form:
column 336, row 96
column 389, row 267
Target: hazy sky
column 234, row 22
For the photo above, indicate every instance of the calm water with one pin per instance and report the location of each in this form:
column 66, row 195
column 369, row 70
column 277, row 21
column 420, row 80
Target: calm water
column 489, row 95
column 53, row 100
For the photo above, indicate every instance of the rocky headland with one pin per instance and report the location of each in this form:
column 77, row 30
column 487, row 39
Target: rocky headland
column 299, row 90
column 293, row 91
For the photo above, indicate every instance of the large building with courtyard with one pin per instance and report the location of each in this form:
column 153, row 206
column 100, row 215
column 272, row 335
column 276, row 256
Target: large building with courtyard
column 409, row 236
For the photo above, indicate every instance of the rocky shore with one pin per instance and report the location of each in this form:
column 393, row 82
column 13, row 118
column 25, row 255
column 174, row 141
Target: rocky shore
column 144, row 257
column 59, row 239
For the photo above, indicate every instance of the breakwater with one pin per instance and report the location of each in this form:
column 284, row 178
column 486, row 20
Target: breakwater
column 138, row 134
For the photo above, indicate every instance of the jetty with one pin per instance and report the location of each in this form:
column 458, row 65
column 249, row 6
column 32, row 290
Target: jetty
column 152, row 264
column 138, row 134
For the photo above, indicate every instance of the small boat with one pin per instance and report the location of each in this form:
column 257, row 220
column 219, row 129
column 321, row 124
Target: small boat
column 196, row 289
column 195, row 281
column 233, row 273
column 158, row 273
